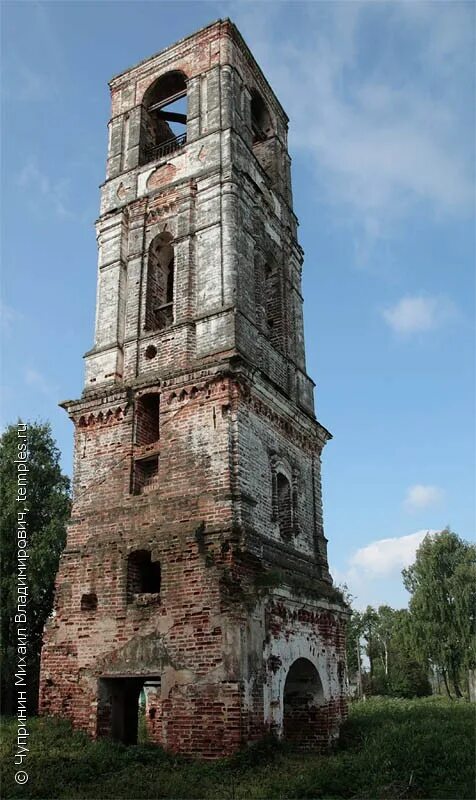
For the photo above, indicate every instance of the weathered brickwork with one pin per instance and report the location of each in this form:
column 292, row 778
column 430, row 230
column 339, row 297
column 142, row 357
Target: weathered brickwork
column 195, row 577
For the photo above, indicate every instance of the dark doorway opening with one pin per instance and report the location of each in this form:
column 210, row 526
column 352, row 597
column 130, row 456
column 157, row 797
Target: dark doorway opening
column 122, row 707
column 303, row 695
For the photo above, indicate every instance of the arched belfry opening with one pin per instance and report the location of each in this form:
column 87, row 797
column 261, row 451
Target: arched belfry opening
column 159, row 312
column 263, row 139
column 164, row 118
column 260, row 119
column 303, row 694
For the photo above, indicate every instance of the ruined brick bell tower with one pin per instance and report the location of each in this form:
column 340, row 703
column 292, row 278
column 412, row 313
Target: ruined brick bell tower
column 195, row 572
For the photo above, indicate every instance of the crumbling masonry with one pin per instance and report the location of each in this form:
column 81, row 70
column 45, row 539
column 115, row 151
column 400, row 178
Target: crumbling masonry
column 195, row 571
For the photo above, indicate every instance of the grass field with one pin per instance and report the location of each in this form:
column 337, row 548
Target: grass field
column 389, row 749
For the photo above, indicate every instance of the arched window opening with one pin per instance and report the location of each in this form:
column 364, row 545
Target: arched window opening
column 164, row 119
column 143, row 574
column 260, row 119
column 160, row 283
column 284, row 502
column 89, row 602
column 147, row 435
column 303, row 694
column 266, row 148
column 147, row 419
column 146, row 474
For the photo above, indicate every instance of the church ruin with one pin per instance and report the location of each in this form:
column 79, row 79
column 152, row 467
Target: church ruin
column 195, row 573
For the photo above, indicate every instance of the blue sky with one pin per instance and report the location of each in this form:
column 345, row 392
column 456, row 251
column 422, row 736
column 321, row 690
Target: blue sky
column 381, row 102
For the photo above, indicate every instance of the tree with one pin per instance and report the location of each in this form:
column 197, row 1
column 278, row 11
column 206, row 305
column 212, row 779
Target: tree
column 369, row 624
column 395, row 668
column 352, row 639
column 383, row 631
column 48, row 503
column 442, row 584
column 408, row 672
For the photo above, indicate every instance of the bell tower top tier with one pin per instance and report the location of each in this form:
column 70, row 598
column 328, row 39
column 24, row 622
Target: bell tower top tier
column 199, row 262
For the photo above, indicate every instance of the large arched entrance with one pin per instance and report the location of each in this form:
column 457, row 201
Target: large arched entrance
column 303, row 694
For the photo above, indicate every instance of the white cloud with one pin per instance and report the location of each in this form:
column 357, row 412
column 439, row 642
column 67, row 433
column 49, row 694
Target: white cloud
column 382, row 132
column 24, row 84
column 387, row 555
column 37, row 380
column 41, row 189
column 418, row 314
column 8, row 317
column 373, row 573
column 419, row 497
column 38, row 80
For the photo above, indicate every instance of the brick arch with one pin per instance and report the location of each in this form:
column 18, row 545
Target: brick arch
column 162, row 86
column 303, row 694
column 283, row 655
column 284, row 481
column 281, row 464
column 163, row 123
column 261, row 120
column 160, row 281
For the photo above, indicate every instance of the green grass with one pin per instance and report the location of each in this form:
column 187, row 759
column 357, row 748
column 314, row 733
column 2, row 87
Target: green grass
column 388, row 749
